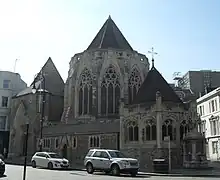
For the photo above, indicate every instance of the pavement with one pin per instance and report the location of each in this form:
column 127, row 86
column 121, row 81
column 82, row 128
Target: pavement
column 211, row 172
column 214, row 171
column 15, row 172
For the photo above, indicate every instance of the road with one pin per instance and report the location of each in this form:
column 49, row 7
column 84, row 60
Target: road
column 16, row 173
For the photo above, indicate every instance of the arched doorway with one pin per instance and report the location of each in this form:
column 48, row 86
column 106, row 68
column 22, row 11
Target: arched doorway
column 64, row 151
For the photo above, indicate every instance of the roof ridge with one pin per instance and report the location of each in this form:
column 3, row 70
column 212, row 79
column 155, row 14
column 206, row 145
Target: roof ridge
column 103, row 36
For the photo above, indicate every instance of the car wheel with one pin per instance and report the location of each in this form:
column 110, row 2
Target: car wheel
column 115, row 170
column 89, row 168
column 133, row 174
column 50, row 165
column 33, row 163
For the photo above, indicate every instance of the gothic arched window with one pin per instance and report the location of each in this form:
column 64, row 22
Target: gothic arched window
column 85, row 93
column 168, row 129
column 150, row 131
column 94, row 141
column 134, row 84
column 110, row 92
column 133, row 131
column 184, row 128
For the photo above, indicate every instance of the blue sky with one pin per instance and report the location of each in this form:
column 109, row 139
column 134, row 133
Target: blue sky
column 186, row 34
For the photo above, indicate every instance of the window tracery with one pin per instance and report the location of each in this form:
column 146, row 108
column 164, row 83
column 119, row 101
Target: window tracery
column 74, row 142
column 149, row 133
column 94, row 141
column 134, row 84
column 168, row 129
column 85, row 93
column 110, row 92
column 133, row 131
column 184, row 129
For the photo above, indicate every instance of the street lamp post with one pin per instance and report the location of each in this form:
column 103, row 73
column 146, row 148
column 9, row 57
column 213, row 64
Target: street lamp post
column 25, row 152
column 34, row 90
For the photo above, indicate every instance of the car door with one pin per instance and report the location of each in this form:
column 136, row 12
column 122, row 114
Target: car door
column 45, row 160
column 39, row 161
column 95, row 159
column 104, row 160
column 42, row 160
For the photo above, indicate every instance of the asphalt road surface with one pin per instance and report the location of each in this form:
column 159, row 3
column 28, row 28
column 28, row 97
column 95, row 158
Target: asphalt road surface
column 16, row 173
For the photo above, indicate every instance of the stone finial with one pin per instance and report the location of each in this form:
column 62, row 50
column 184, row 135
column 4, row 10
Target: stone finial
column 158, row 94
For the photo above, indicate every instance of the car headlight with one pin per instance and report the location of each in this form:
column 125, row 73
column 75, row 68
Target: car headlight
column 58, row 162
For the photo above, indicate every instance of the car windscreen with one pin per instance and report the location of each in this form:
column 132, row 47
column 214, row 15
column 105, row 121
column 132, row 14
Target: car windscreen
column 53, row 155
column 116, row 154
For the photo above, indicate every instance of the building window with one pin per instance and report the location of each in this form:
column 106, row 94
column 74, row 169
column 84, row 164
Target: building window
column 74, row 142
column 184, row 129
column 56, row 143
column 149, row 133
column 133, row 131
column 85, row 93
column 94, row 141
column 213, row 105
column 202, row 128
column 168, row 129
column 46, row 143
column 4, row 101
column 214, row 124
column 201, row 110
column 110, row 92
column 2, row 122
column 134, row 84
column 6, row 84
column 215, row 147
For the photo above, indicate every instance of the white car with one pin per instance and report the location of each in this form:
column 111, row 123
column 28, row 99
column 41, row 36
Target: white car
column 49, row 160
column 110, row 161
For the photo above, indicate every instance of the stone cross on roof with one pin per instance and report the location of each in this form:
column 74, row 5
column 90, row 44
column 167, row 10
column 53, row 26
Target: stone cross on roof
column 152, row 53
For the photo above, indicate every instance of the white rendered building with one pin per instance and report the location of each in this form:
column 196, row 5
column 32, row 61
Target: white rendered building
column 208, row 106
column 10, row 84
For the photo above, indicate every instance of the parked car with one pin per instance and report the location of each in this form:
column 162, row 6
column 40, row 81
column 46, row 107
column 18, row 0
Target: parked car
column 2, row 167
column 110, row 161
column 49, row 160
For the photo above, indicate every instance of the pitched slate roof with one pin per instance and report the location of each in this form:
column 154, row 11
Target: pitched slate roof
column 109, row 36
column 155, row 82
column 54, row 82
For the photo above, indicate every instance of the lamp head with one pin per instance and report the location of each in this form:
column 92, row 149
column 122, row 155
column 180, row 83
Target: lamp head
column 34, row 90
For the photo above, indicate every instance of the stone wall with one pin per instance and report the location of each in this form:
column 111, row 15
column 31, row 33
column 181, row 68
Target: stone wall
column 146, row 156
column 76, row 155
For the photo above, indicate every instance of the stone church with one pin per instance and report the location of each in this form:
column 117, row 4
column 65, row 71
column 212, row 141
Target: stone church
column 26, row 108
column 114, row 98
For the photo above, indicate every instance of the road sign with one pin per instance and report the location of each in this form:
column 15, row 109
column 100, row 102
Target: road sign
column 167, row 138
